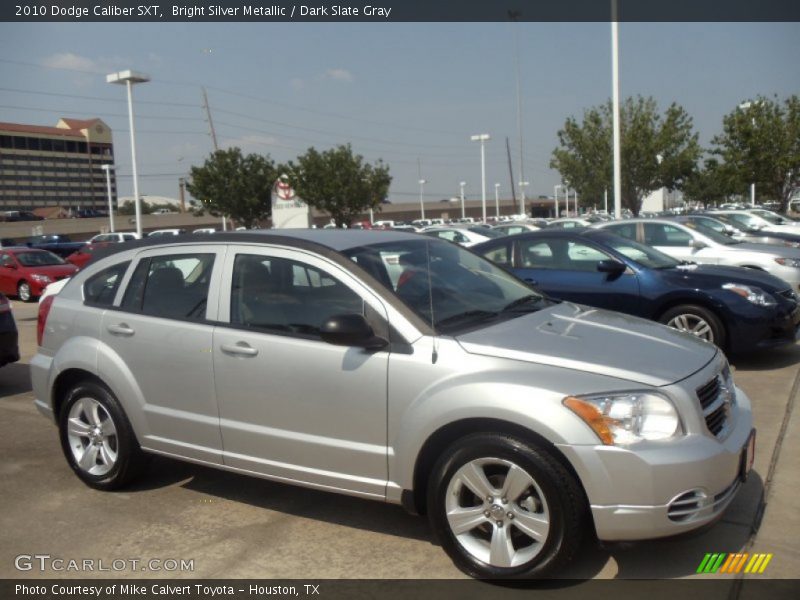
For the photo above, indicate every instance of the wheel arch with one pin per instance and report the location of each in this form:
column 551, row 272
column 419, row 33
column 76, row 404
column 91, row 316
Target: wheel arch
column 65, row 381
column 415, row 500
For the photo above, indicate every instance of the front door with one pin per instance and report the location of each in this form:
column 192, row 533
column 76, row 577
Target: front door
column 292, row 406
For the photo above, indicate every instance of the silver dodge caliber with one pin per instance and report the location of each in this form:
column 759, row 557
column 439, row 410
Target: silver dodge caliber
column 400, row 368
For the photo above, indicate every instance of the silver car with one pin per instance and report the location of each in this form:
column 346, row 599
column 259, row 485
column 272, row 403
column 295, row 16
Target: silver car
column 693, row 242
column 517, row 423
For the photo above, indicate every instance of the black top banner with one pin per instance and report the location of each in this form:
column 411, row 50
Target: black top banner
column 403, row 10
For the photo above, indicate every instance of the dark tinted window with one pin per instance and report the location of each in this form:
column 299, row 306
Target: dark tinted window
column 281, row 295
column 173, row 286
column 626, row 230
column 659, row 234
column 101, row 288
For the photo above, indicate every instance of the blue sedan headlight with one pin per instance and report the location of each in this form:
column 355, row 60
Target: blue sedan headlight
column 751, row 293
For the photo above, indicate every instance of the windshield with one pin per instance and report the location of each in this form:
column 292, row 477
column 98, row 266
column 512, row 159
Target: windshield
column 639, row 253
column 39, row 259
column 710, row 233
column 485, row 232
column 748, row 221
column 444, row 284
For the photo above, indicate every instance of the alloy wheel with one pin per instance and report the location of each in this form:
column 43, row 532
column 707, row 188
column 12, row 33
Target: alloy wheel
column 92, row 437
column 693, row 324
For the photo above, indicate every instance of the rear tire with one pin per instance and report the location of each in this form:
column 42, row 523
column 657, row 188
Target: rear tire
column 698, row 321
column 97, row 439
column 504, row 509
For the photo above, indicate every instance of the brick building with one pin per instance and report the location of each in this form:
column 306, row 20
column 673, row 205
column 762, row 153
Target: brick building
column 55, row 166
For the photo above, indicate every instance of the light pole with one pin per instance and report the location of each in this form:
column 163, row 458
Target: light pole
column 555, row 197
column 482, row 138
column 463, row 210
column 522, row 186
column 129, row 78
column 615, row 105
column 107, row 169
column 746, row 106
column 497, row 199
column 422, row 183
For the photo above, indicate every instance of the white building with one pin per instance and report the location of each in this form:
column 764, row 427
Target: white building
column 662, row 199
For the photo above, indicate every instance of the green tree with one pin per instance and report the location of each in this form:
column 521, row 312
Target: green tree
column 339, row 182
column 710, row 184
column 760, row 143
column 656, row 151
column 235, row 185
column 128, row 208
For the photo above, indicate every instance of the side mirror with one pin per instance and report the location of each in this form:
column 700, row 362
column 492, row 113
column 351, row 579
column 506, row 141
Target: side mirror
column 351, row 330
column 697, row 244
column 612, row 267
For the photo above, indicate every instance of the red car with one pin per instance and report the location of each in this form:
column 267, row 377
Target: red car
column 80, row 257
column 25, row 272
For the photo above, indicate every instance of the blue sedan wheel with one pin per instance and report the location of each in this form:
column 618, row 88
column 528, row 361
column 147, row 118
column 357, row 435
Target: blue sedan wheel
column 698, row 321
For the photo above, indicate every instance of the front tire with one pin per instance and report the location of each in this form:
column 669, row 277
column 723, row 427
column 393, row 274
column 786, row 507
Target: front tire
column 24, row 291
column 698, row 321
column 505, row 509
column 97, row 439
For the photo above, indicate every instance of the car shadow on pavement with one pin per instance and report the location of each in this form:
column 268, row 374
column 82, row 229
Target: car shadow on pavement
column 665, row 558
column 768, row 360
column 330, row 507
column 15, row 379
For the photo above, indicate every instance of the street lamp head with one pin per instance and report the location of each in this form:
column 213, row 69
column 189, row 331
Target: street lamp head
column 107, row 167
column 421, row 181
column 462, row 183
column 481, row 137
column 126, row 76
column 497, row 185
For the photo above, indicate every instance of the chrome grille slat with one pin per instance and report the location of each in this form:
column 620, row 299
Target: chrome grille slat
column 713, row 405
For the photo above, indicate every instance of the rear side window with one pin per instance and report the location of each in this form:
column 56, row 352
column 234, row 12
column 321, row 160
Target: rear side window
column 101, row 288
column 173, row 286
column 499, row 255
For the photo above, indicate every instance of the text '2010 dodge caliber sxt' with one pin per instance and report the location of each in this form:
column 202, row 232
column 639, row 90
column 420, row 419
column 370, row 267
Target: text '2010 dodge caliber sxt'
column 398, row 368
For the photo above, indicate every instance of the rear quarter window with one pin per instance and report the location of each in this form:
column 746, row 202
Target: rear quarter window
column 101, row 288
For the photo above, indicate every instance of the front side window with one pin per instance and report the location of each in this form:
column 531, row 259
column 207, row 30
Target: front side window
column 274, row 294
column 582, row 257
column 40, row 258
column 172, row 286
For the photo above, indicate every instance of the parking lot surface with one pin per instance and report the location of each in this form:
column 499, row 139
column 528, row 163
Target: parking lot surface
column 233, row 526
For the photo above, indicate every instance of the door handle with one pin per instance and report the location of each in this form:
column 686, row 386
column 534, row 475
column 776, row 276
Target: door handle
column 122, row 329
column 240, row 349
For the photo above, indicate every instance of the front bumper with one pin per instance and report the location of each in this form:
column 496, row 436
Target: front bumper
column 644, row 493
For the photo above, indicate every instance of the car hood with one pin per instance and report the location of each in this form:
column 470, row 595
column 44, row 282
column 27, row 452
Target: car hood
column 593, row 340
column 713, row 276
column 784, row 251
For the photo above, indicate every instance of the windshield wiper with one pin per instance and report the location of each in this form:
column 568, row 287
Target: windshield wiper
column 520, row 302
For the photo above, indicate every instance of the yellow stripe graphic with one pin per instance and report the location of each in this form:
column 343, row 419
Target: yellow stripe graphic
column 765, row 563
column 754, row 563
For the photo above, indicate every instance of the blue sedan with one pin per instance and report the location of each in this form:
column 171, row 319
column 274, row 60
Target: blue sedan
column 738, row 309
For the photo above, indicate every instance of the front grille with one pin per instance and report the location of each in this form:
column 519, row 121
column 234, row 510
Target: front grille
column 715, row 408
column 687, row 506
column 708, row 393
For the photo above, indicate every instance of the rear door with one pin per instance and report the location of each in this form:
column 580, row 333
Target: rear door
column 292, row 406
column 162, row 331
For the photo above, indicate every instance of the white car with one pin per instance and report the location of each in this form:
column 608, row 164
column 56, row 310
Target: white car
column 763, row 220
column 515, row 228
column 159, row 232
column 205, row 230
column 119, row 236
column 692, row 242
column 463, row 236
column 569, row 223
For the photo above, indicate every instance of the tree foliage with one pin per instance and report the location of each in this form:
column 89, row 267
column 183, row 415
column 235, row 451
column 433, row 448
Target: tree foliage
column 710, row 184
column 339, row 182
column 235, row 185
column 760, row 143
column 656, row 150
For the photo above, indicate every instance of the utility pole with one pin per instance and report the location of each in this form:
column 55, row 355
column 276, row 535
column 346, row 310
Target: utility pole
column 511, row 172
column 181, row 193
column 213, row 140
column 514, row 16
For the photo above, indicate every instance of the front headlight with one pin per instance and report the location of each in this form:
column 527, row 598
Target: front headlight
column 751, row 293
column 728, row 387
column 627, row 418
column 41, row 278
column 789, row 262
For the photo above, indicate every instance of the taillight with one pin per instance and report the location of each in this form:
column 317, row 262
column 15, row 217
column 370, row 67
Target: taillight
column 41, row 320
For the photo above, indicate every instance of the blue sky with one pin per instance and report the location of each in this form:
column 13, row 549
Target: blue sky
column 409, row 93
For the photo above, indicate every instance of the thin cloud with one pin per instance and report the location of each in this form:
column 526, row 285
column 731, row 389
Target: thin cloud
column 339, row 75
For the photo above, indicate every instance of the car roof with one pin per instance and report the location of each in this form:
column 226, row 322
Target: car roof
column 331, row 239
